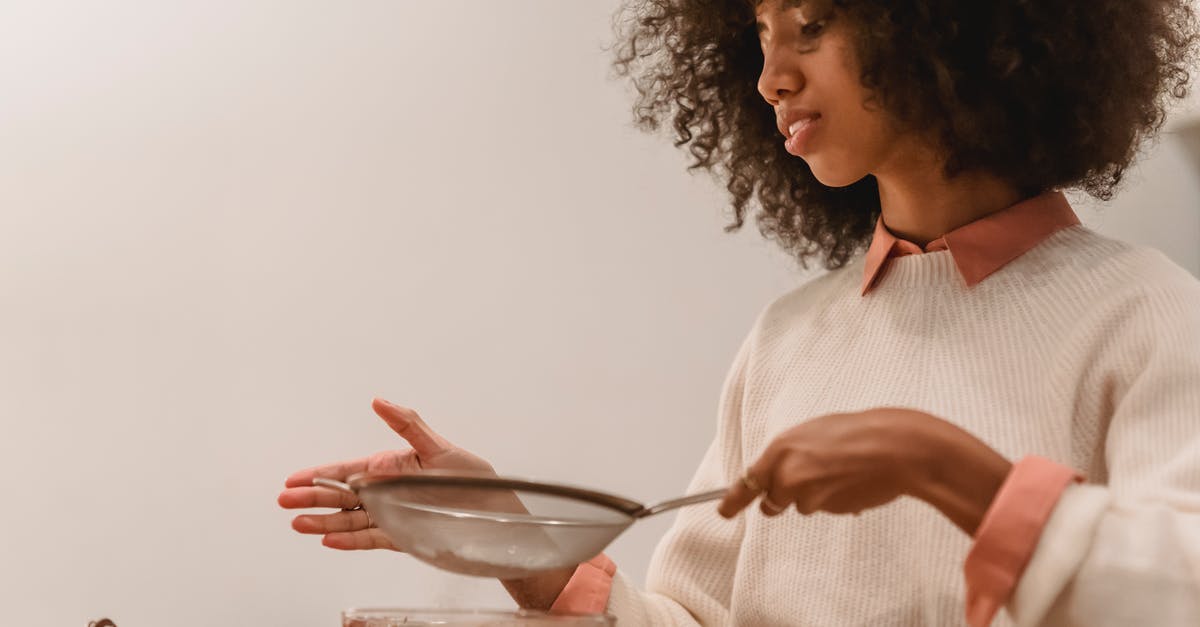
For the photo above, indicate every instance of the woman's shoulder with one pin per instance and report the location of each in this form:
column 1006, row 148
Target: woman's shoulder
column 1114, row 265
column 816, row 291
column 1127, row 288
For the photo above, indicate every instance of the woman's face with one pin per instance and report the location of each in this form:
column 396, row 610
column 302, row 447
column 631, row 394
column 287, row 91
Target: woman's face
column 810, row 77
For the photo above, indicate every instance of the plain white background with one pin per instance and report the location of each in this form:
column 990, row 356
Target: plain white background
column 226, row 225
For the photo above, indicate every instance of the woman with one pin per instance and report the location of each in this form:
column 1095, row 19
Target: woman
column 1031, row 387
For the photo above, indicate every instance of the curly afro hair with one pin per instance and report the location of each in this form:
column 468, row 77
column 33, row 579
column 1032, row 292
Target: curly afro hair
column 1055, row 94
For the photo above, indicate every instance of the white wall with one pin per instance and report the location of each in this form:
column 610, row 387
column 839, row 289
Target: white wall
column 226, row 225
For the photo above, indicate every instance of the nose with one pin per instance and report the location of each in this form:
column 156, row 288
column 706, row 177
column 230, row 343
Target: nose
column 779, row 78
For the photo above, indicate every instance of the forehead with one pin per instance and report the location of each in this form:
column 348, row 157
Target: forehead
column 761, row 6
column 810, row 9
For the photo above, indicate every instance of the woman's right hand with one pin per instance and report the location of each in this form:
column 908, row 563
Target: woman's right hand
column 350, row 530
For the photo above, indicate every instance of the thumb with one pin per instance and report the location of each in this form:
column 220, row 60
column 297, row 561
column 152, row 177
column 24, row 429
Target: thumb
column 404, row 421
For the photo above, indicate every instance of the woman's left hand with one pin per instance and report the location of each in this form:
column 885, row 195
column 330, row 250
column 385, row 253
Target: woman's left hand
column 847, row 463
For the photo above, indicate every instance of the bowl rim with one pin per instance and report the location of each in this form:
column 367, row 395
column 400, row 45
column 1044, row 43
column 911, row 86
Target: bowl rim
column 487, row 613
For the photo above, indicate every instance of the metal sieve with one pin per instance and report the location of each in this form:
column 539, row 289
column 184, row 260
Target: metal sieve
column 501, row 527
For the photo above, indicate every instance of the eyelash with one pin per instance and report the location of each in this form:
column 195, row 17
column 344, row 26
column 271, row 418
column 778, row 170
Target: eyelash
column 813, row 29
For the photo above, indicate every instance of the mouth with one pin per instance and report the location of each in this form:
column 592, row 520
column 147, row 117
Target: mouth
column 799, row 133
column 800, row 125
column 789, row 121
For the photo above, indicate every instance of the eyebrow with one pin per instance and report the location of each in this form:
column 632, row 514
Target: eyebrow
column 785, row 4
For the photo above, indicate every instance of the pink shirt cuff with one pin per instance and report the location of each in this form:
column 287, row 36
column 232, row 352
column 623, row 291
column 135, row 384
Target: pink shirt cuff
column 1009, row 534
column 588, row 589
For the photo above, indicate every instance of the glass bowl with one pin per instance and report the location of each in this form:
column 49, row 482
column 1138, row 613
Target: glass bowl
column 397, row 616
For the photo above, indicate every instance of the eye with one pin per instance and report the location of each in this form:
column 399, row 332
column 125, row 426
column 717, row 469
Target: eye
column 813, row 29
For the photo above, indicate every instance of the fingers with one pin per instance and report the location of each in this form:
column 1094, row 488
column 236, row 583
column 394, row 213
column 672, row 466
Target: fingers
column 347, row 530
column 808, row 495
column 404, row 421
column 411, row 427
column 774, row 503
column 791, row 484
column 337, row 522
column 364, row 539
column 305, row 497
column 339, row 471
column 770, row 507
column 775, row 499
column 740, row 494
column 767, row 479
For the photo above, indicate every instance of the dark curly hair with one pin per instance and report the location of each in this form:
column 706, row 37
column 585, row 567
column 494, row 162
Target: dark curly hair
column 1050, row 94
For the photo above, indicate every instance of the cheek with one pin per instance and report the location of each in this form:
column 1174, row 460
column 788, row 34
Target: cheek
column 863, row 140
column 850, row 151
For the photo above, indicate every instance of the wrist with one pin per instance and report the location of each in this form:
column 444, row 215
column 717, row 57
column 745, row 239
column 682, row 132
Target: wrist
column 958, row 475
column 538, row 592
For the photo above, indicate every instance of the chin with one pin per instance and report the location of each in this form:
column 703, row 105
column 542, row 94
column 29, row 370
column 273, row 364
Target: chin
column 833, row 177
column 835, row 172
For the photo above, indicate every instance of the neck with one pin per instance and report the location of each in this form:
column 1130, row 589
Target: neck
column 920, row 205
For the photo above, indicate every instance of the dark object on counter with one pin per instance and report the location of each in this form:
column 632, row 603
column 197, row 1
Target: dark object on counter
column 103, row 622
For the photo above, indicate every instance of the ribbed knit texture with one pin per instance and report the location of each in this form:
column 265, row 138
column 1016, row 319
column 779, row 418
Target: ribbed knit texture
column 1084, row 350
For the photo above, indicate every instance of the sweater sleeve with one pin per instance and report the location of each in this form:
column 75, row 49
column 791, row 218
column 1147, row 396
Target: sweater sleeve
column 690, row 580
column 1009, row 533
column 1128, row 552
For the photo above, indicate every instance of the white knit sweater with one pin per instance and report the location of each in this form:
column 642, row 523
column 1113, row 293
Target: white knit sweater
column 1085, row 350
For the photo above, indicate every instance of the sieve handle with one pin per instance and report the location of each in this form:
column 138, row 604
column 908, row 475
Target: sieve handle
column 691, row 499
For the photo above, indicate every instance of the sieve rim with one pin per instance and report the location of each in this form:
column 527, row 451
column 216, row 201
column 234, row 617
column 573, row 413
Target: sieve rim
column 370, row 481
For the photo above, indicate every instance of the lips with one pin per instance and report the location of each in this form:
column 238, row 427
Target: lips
column 799, row 129
column 791, row 120
column 800, row 125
